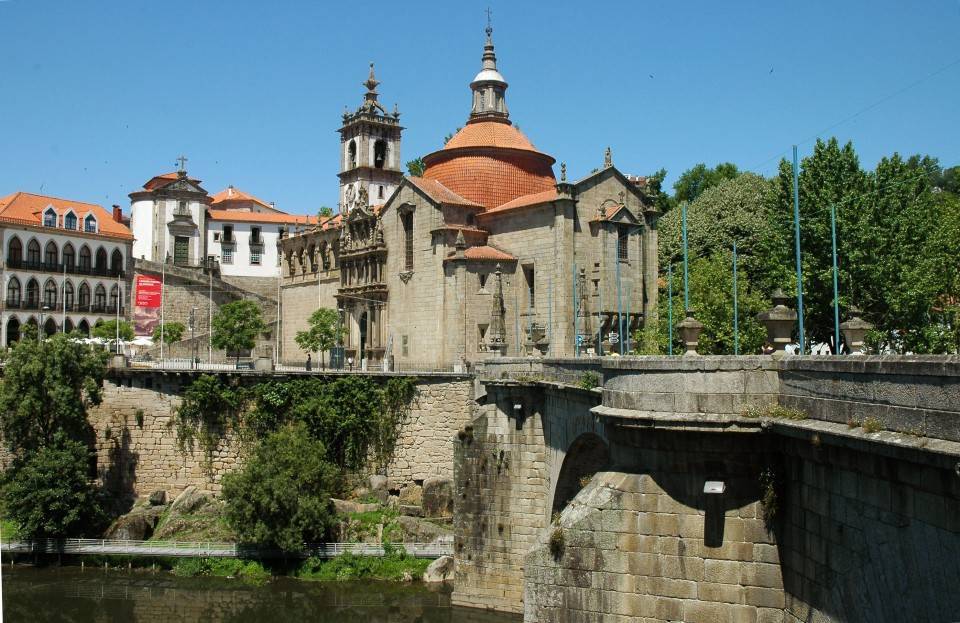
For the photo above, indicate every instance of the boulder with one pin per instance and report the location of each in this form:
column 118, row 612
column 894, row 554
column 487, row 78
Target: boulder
column 440, row 570
column 409, row 510
column 438, row 497
column 379, row 488
column 158, row 498
column 137, row 525
column 190, row 500
column 343, row 507
column 411, row 494
column 422, row 531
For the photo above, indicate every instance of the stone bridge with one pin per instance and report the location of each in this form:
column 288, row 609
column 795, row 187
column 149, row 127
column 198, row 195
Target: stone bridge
column 838, row 489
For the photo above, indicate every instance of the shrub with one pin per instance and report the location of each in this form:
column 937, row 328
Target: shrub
column 589, row 380
column 281, row 497
column 872, row 425
column 396, row 564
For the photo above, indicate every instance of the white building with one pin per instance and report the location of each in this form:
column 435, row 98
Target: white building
column 243, row 231
column 66, row 264
column 168, row 219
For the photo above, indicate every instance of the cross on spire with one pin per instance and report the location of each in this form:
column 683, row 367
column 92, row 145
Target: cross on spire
column 489, row 27
column 182, row 164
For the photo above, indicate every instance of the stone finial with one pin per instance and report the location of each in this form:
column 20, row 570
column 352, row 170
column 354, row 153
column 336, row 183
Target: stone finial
column 607, row 158
column 690, row 330
column 779, row 321
column 496, row 331
column 460, row 245
column 854, row 330
column 563, row 171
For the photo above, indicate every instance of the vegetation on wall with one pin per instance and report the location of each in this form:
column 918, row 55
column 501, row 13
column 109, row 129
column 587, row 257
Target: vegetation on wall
column 210, row 407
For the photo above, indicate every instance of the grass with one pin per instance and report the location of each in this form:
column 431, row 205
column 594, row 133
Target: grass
column 249, row 571
column 396, row 564
column 362, row 527
column 777, row 412
column 872, row 425
column 208, row 524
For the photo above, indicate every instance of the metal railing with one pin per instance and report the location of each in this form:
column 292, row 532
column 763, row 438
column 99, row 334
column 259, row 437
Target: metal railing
column 202, row 549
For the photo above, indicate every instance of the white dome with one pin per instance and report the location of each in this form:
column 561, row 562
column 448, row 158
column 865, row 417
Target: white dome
column 489, row 75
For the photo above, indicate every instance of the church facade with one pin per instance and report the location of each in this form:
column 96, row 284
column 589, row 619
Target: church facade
column 485, row 254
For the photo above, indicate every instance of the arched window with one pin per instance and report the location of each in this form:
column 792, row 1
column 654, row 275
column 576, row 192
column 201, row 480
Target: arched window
column 83, row 297
column 68, row 295
column 50, row 255
column 14, row 252
column 33, row 294
column 101, row 265
column 90, row 224
column 100, row 298
column 68, row 326
column 116, row 262
column 352, row 155
column 50, row 294
column 84, row 259
column 13, row 331
column 13, row 293
column 379, row 154
column 324, row 257
column 50, row 326
column 50, row 218
column 114, row 298
column 84, row 327
column 70, row 221
column 33, row 253
column 312, row 253
column 69, row 257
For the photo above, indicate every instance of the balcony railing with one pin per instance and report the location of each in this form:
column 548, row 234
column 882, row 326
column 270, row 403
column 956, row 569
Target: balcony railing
column 60, row 267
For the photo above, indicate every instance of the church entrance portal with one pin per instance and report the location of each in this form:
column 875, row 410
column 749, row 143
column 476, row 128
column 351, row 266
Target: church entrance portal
column 181, row 250
column 363, row 336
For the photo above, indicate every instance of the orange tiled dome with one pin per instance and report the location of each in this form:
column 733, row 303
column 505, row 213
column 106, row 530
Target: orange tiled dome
column 491, row 163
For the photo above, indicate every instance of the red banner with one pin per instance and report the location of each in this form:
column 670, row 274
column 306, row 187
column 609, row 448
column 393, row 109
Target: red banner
column 147, row 300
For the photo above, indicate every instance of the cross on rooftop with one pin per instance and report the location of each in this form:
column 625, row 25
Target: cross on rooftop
column 182, row 163
column 489, row 27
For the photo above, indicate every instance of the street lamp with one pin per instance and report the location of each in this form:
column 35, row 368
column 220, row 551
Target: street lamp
column 43, row 309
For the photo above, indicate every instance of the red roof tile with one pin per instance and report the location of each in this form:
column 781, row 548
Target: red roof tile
column 440, row 193
column 490, row 134
column 485, row 253
column 230, row 194
column 28, row 209
column 261, row 217
column 545, row 196
column 163, row 179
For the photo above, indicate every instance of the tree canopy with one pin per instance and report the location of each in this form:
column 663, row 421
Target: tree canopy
column 107, row 330
column 236, row 326
column 695, row 181
column 281, row 496
column 323, row 331
column 416, row 166
column 47, row 387
column 170, row 332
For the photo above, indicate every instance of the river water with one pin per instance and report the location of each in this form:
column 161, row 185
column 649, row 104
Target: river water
column 68, row 594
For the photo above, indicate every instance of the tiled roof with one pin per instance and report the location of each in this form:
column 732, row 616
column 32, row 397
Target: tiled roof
column 28, row 209
column 609, row 212
column 333, row 221
column 545, row 196
column 440, row 193
column 163, row 179
column 239, row 216
column 493, row 179
column 490, row 134
column 485, row 253
column 235, row 194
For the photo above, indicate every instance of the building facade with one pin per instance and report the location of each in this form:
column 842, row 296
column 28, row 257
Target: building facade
column 168, row 219
column 67, row 264
column 486, row 254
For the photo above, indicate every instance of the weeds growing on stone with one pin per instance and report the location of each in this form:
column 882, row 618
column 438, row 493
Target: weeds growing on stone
column 777, row 412
column 589, row 380
column 872, row 425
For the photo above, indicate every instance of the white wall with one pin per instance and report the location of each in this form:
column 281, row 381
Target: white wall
column 141, row 224
column 241, row 266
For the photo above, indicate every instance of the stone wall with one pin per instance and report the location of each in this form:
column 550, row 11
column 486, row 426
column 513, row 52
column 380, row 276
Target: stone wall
column 136, row 437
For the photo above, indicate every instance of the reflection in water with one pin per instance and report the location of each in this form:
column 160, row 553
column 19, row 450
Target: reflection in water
column 71, row 595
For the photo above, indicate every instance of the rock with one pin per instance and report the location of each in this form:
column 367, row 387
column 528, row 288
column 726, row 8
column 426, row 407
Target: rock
column 440, row 570
column 410, row 510
column 379, row 488
column 438, row 497
column 422, row 531
column 190, row 500
column 158, row 498
column 137, row 525
column 407, row 576
column 344, row 507
column 411, row 494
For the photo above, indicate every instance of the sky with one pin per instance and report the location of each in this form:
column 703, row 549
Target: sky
column 98, row 96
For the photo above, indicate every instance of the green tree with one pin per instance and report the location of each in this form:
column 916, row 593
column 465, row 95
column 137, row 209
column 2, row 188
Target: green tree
column 107, row 330
column 693, row 182
column 236, row 327
column 47, row 387
column 325, row 212
column 48, row 494
column 170, row 332
column 281, row 496
column 416, row 166
column 323, row 332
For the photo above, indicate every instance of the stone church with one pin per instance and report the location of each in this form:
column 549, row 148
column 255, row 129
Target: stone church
column 485, row 254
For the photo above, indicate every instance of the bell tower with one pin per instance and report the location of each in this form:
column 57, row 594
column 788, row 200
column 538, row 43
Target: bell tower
column 369, row 151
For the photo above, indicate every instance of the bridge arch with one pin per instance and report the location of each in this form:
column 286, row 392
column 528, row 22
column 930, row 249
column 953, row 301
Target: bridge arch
column 587, row 455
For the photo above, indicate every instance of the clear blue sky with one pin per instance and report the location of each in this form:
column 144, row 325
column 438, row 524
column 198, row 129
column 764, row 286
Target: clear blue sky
column 98, row 96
